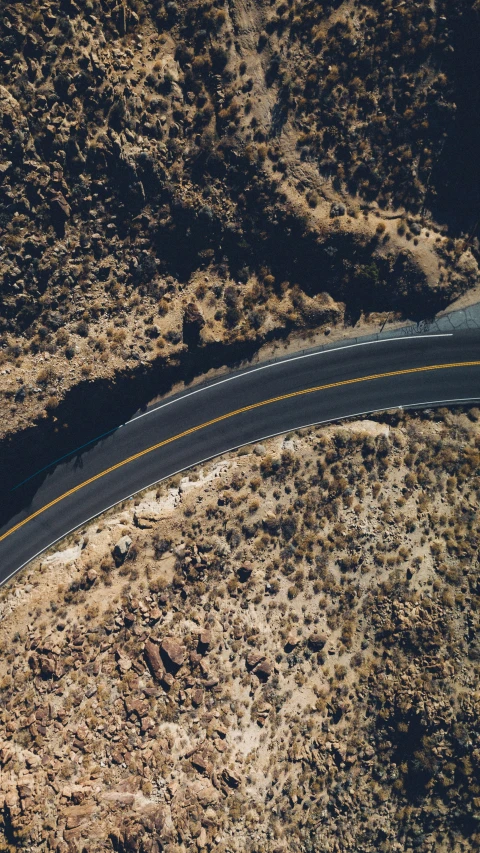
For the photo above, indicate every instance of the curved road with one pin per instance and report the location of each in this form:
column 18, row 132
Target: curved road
column 245, row 407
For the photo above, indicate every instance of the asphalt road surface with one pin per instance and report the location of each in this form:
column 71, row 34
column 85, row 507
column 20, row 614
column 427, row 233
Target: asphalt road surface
column 245, row 407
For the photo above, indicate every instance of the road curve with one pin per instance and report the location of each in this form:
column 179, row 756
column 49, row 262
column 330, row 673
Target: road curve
column 244, row 407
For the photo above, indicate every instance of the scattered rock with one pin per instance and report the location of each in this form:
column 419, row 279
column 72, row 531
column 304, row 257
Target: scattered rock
column 168, row 680
column 124, row 663
column 291, row 642
column 197, row 697
column 201, row 763
column 136, row 706
column 204, row 641
column 155, row 614
column 60, row 206
column 232, row 778
column 92, row 576
column 77, row 815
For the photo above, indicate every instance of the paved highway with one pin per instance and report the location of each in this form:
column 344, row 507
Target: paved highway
column 244, row 407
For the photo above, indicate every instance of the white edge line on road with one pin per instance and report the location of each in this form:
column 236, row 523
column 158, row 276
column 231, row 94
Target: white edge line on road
column 248, row 371
column 229, row 450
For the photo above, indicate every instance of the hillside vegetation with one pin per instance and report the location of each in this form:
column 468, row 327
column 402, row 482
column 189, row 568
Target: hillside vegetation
column 181, row 173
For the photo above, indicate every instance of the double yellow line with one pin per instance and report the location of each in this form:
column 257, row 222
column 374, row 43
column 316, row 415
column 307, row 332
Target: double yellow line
column 232, row 415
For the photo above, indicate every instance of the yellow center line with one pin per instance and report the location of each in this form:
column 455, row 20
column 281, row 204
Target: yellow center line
column 225, row 417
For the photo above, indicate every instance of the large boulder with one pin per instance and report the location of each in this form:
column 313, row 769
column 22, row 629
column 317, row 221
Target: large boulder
column 204, row 641
column 253, row 658
column 154, row 660
column 264, row 670
column 245, row 571
column 317, row 641
column 173, row 653
column 121, row 549
column 193, row 323
column 291, row 642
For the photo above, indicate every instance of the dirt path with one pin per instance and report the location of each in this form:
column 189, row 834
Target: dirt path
column 247, row 24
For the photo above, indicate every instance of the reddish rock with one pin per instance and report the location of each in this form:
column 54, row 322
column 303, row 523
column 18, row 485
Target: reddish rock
column 254, row 657
column 220, row 730
column 264, row 670
column 155, row 614
column 24, row 791
column 168, row 680
column 47, row 667
column 136, row 706
column 203, row 667
column 205, row 641
column 123, row 662
column 231, row 778
column 146, row 724
column 76, row 815
column 197, row 697
column 154, row 661
column 173, row 651
column 201, row 763
column 204, row 792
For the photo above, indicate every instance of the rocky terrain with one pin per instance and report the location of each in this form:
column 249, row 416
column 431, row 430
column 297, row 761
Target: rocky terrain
column 177, row 175
column 278, row 652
